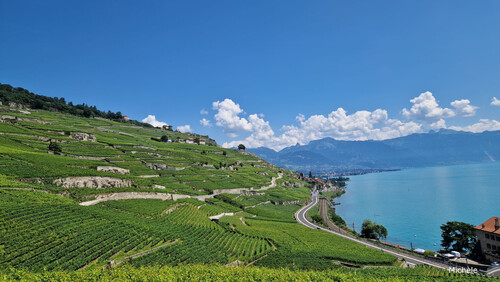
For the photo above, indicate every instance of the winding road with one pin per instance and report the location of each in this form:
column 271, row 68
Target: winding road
column 300, row 216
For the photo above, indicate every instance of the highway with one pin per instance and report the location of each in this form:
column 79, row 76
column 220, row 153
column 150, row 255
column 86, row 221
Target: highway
column 300, row 216
column 494, row 272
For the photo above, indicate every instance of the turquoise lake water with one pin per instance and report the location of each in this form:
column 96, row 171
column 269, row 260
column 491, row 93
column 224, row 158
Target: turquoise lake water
column 412, row 204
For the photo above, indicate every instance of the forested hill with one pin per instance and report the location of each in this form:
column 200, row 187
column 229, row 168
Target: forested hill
column 22, row 98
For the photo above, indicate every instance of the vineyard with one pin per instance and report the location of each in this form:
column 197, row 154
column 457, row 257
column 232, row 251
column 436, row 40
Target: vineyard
column 40, row 231
column 220, row 273
column 46, row 230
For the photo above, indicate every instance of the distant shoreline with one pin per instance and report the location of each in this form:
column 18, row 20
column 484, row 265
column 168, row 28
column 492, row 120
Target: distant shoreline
column 352, row 172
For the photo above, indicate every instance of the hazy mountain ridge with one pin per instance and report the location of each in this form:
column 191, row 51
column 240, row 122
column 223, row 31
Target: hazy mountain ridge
column 445, row 147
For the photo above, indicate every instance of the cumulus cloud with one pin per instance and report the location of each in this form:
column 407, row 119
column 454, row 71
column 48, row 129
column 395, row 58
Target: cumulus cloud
column 426, row 108
column 184, row 128
column 262, row 135
column 205, row 122
column 203, row 112
column 495, row 102
column 425, row 114
column 464, row 108
column 439, row 124
column 481, row 126
column 151, row 119
column 362, row 125
column 228, row 118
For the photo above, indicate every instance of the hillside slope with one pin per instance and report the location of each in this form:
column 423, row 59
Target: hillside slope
column 80, row 192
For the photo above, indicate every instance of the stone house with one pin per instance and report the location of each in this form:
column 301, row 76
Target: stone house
column 488, row 234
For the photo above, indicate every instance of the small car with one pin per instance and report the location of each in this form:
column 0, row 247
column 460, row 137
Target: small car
column 495, row 263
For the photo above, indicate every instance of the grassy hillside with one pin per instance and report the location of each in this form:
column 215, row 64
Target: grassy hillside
column 59, row 211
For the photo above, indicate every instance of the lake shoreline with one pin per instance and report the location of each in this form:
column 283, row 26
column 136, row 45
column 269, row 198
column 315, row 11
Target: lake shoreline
column 413, row 203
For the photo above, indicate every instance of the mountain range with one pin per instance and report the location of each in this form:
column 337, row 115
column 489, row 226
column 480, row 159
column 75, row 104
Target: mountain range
column 444, row 147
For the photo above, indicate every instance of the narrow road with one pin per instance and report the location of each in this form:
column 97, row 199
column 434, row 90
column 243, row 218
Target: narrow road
column 167, row 196
column 300, row 216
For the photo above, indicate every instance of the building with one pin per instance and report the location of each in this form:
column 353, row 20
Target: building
column 488, row 234
column 126, row 118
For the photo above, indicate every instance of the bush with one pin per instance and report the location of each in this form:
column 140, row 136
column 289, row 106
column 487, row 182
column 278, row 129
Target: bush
column 339, row 221
column 428, row 253
column 317, row 218
column 55, row 147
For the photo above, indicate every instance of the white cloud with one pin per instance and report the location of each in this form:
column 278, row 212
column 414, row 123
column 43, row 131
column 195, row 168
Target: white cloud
column 362, row 125
column 482, row 125
column 262, row 134
column 184, row 128
column 438, row 125
column 495, row 102
column 464, row 108
column 426, row 108
column 424, row 115
column 151, row 119
column 227, row 117
column 205, row 122
column 203, row 112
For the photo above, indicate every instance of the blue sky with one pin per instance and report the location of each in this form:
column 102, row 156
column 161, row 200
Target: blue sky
column 285, row 67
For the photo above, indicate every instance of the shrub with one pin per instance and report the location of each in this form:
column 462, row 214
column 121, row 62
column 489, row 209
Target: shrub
column 317, row 218
column 55, row 147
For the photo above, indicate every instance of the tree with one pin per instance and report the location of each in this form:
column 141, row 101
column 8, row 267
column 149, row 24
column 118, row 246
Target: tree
column 197, row 140
column 241, row 147
column 317, row 218
column 458, row 236
column 87, row 112
column 310, row 174
column 164, row 138
column 55, row 147
column 372, row 230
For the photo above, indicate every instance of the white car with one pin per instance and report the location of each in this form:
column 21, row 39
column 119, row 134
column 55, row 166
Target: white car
column 495, row 263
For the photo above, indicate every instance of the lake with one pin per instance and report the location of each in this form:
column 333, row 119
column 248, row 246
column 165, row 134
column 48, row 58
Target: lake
column 413, row 203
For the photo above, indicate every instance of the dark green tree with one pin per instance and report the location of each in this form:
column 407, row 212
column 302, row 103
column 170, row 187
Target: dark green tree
column 55, row 147
column 458, row 236
column 372, row 230
column 310, row 174
column 317, row 218
column 164, row 138
column 241, row 147
column 197, row 140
